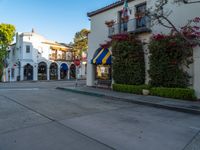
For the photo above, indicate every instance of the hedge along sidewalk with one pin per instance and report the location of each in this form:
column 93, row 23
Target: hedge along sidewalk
column 154, row 101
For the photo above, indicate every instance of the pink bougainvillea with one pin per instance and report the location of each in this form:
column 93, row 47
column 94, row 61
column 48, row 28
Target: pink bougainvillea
column 121, row 37
column 158, row 36
column 196, row 20
column 106, row 45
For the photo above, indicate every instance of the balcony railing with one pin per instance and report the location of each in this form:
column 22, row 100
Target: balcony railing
column 62, row 57
column 132, row 26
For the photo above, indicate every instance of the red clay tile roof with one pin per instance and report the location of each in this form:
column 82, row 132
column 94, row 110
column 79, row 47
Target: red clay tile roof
column 113, row 5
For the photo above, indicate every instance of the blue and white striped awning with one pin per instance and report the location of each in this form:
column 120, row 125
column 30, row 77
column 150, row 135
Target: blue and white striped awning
column 102, row 57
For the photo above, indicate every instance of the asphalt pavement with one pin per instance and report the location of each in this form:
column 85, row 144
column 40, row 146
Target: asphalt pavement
column 36, row 116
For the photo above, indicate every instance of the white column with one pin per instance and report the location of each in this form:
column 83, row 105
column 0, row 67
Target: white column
column 4, row 75
column 58, row 73
column 147, row 65
column 21, row 73
column 68, row 74
column 48, row 74
column 35, row 73
column 196, row 81
column 90, row 74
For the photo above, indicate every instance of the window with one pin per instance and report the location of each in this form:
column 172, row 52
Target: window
column 13, row 52
column 123, row 25
column 28, row 49
column 8, row 55
column 140, row 13
column 12, row 72
column 103, row 72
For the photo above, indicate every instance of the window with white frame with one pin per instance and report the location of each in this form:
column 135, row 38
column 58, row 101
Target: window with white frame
column 28, row 49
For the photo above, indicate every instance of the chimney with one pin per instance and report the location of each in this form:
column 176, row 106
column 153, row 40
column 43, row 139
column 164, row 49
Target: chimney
column 33, row 30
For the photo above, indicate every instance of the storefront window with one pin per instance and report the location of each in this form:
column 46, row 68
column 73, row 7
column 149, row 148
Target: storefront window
column 103, row 72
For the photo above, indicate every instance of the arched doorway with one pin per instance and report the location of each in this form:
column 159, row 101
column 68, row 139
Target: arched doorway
column 28, row 72
column 53, row 71
column 73, row 71
column 42, row 71
column 63, row 71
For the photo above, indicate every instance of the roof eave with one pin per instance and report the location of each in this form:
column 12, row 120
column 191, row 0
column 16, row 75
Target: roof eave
column 106, row 8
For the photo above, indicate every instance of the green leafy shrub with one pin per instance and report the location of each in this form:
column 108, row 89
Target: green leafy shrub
column 177, row 93
column 135, row 89
column 168, row 55
column 128, row 60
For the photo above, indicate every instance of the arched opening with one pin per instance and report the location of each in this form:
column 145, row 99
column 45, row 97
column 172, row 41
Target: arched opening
column 72, row 71
column 28, row 72
column 53, row 71
column 42, row 71
column 63, row 71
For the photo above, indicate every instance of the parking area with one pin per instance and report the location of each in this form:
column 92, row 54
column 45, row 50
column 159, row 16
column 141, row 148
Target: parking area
column 36, row 116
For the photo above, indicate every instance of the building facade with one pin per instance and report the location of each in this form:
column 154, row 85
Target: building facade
column 100, row 32
column 33, row 57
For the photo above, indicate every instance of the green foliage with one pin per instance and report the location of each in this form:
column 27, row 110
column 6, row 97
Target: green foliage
column 7, row 33
column 177, row 93
column 128, row 62
column 81, row 42
column 168, row 56
column 135, row 89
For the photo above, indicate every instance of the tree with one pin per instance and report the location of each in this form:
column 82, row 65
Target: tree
column 159, row 15
column 7, row 32
column 81, row 42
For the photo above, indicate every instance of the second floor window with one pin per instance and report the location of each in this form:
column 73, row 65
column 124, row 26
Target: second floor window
column 140, row 15
column 123, row 27
column 28, row 49
column 13, row 52
column 8, row 55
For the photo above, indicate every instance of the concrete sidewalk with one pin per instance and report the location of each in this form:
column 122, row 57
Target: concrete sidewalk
column 159, row 102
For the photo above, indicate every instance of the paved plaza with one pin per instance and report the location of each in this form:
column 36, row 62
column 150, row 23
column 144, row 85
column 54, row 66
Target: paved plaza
column 37, row 116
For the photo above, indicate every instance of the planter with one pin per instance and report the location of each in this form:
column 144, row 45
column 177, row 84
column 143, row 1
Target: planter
column 145, row 92
column 110, row 23
column 125, row 19
column 139, row 15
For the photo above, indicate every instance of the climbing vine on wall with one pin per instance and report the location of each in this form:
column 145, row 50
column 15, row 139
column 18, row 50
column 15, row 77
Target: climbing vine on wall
column 169, row 55
column 128, row 60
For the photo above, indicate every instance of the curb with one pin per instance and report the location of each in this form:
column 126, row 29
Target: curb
column 81, row 92
column 38, row 81
column 156, row 105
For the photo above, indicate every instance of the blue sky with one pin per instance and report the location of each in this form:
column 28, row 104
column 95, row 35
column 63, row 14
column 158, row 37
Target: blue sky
column 57, row 20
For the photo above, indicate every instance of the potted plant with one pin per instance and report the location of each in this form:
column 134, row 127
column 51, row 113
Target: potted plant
column 145, row 92
column 125, row 19
column 110, row 23
column 139, row 15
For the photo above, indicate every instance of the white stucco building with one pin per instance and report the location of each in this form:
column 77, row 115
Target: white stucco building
column 100, row 32
column 33, row 57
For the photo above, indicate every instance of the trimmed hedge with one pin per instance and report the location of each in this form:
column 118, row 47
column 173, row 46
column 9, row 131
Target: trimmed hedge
column 177, row 93
column 135, row 89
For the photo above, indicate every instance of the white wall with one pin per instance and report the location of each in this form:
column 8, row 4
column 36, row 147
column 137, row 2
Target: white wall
column 196, row 80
